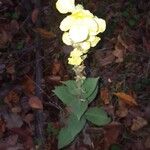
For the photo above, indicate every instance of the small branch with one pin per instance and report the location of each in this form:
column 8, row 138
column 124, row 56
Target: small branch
column 39, row 117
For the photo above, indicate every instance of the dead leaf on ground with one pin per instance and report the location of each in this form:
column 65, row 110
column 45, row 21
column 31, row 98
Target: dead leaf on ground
column 16, row 109
column 12, row 98
column 138, row 123
column 126, row 98
column 105, row 95
column 54, row 78
column 120, row 49
column 10, row 69
column 56, row 67
column 2, row 126
column 34, row 15
column 35, row 102
column 28, row 86
column 25, row 136
column 122, row 110
column 4, row 38
column 29, row 118
column 111, row 135
column 104, row 58
column 44, row 33
column 10, row 143
column 12, row 120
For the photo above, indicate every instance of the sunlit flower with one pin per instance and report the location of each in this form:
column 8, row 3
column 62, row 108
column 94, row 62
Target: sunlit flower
column 78, row 33
column 101, row 24
column 76, row 53
column 66, row 38
column 94, row 40
column 65, row 6
column 80, row 28
column 85, row 46
column 75, row 61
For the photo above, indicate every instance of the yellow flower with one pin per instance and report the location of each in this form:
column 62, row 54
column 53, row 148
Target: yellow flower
column 66, row 38
column 85, row 46
column 75, row 61
column 66, row 23
column 78, row 33
column 76, row 53
column 101, row 24
column 80, row 13
column 94, row 40
column 65, row 6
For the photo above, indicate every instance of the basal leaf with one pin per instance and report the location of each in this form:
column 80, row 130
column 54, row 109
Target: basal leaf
column 93, row 95
column 97, row 116
column 89, row 86
column 68, row 134
column 78, row 107
column 63, row 94
column 72, row 87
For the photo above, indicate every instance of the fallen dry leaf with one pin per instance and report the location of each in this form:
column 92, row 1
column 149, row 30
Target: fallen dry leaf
column 111, row 135
column 28, row 86
column 2, row 126
column 44, row 33
column 34, row 15
column 29, row 118
column 122, row 110
column 56, row 67
column 12, row 98
column 120, row 49
column 4, row 38
column 35, row 102
column 25, row 136
column 105, row 96
column 10, row 69
column 126, row 98
column 104, row 58
column 12, row 120
column 16, row 109
column 138, row 123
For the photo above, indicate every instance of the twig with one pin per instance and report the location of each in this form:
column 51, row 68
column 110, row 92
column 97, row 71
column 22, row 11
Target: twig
column 39, row 117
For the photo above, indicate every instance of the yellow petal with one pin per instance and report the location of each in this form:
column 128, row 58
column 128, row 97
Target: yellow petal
column 75, row 60
column 81, row 14
column 65, row 6
column 85, row 46
column 78, row 33
column 94, row 40
column 92, row 25
column 79, row 7
column 66, row 23
column 101, row 24
column 76, row 53
column 66, row 39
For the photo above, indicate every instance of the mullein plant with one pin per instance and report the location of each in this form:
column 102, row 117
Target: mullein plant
column 80, row 29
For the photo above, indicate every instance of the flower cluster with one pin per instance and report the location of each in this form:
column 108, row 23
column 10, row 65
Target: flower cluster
column 80, row 28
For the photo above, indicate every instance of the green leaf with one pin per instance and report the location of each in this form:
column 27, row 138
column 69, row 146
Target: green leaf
column 64, row 95
column 68, row 134
column 97, row 116
column 72, row 87
column 78, row 107
column 93, row 95
column 89, row 86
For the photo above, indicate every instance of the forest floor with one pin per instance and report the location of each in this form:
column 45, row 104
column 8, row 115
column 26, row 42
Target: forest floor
column 33, row 60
